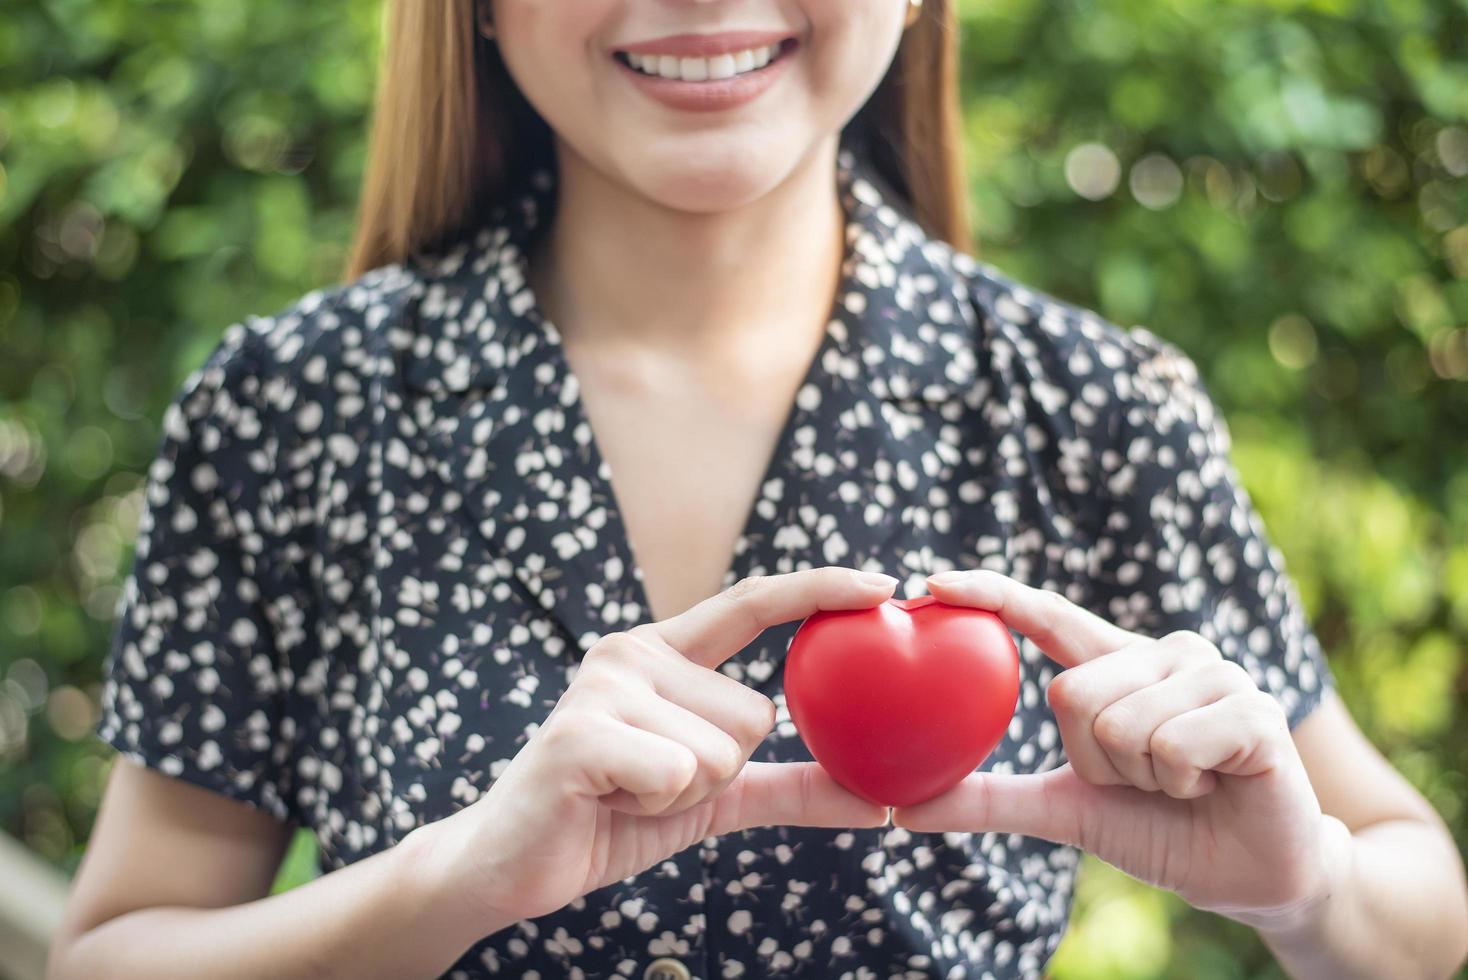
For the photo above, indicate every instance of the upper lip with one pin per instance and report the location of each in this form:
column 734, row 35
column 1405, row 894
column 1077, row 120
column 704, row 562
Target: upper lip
column 704, row 45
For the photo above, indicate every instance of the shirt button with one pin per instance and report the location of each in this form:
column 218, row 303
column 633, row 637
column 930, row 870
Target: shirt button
column 666, row 968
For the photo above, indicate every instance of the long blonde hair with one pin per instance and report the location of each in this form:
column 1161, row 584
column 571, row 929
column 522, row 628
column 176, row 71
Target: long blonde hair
column 451, row 132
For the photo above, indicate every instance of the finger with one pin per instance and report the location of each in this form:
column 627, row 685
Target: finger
column 740, row 710
column 1080, row 694
column 720, row 626
column 1241, row 734
column 719, row 754
column 1065, row 632
column 1051, row 805
column 790, row 794
column 743, row 712
column 1125, row 727
column 610, row 755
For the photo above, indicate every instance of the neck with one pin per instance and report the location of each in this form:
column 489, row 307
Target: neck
column 616, row 268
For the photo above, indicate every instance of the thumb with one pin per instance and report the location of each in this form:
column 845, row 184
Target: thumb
column 790, row 794
column 1056, row 805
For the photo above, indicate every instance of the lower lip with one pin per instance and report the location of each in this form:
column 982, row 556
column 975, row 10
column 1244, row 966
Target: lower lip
column 712, row 95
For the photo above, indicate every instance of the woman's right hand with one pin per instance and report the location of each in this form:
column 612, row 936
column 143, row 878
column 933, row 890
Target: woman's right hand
column 646, row 754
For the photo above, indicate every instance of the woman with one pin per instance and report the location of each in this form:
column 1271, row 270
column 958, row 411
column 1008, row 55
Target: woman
column 384, row 588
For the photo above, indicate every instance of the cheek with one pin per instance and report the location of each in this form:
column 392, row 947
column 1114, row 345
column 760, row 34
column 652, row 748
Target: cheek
column 854, row 43
column 549, row 49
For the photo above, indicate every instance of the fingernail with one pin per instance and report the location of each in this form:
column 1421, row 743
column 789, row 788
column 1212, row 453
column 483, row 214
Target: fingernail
column 876, row 578
column 947, row 578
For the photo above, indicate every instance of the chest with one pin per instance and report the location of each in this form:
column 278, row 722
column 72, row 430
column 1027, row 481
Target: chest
column 687, row 448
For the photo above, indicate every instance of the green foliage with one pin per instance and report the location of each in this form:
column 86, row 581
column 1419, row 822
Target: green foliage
column 1280, row 186
column 165, row 168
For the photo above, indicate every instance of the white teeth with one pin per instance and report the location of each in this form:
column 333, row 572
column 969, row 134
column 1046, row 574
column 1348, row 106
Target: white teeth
column 700, row 69
column 694, row 69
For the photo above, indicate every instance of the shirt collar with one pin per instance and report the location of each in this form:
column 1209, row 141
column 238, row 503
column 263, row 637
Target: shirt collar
column 904, row 309
column 509, row 436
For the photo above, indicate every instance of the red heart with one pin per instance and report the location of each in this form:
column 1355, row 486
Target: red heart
column 900, row 701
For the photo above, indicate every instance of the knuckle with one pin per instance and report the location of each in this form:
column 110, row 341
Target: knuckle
column 590, row 661
column 657, row 660
column 1192, row 643
column 1113, row 728
column 568, row 728
column 643, row 631
column 622, row 655
column 1063, row 693
column 606, row 679
column 1168, row 746
column 681, row 769
column 1051, row 597
column 728, row 759
column 1268, row 713
column 1235, row 674
column 741, row 733
column 745, row 588
column 746, row 734
column 1050, row 603
column 625, row 645
column 613, row 647
column 1203, row 782
column 759, row 720
column 1179, row 785
column 754, row 713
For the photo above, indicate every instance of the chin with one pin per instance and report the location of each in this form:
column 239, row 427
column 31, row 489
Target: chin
column 707, row 191
column 704, row 181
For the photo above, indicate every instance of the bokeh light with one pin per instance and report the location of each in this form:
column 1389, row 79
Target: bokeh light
column 1092, row 171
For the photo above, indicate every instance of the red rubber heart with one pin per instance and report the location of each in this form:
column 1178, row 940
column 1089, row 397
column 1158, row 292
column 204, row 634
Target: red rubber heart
column 900, row 701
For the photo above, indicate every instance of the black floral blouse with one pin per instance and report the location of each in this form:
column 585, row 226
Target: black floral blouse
column 379, row 536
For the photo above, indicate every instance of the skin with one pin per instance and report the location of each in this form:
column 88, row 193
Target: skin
column 704, row 331
column 690, row 347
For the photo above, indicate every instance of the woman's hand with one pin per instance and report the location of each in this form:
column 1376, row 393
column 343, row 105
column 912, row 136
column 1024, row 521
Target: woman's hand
column 1181, row 771
column 645, row 754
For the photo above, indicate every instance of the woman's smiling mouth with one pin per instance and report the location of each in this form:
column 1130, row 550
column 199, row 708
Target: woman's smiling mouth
column 702, row 69
column 705, row 72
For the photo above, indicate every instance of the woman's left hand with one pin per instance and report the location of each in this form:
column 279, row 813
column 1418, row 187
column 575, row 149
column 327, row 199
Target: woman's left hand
column 1181, row 771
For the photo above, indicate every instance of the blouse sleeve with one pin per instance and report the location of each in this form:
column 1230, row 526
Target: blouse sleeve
column 194, row 682
column 1182, row 546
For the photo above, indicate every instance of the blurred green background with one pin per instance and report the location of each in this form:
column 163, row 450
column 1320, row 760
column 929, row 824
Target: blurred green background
column 1280, row 187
